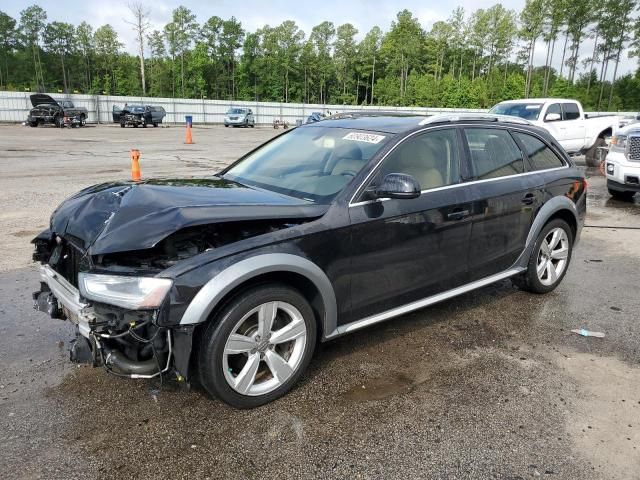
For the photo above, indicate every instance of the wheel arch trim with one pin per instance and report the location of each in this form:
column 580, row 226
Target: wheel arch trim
column 550, row 208
column 235, row 275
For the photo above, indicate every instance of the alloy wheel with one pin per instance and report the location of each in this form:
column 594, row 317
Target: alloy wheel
column 552, row 256
column 265, row 348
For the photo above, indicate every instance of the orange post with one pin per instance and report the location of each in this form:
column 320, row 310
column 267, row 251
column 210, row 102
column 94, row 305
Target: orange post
column 135, row 165
column 188, row 139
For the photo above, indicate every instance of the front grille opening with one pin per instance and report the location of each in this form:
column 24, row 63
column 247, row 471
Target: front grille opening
column 634, row 149
column 68, row 261
column 632, row 180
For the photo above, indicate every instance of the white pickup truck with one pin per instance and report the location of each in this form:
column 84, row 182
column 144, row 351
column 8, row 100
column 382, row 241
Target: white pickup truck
column 622, row 165
column 565, row 119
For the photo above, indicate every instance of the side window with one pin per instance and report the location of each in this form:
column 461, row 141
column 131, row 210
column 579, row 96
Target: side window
column 494, row 153
column 553, row 108
column 570, row 111
column 540, row 156
column 431, row 158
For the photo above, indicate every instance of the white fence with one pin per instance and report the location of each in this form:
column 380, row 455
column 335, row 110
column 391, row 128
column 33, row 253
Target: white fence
column 14, row 107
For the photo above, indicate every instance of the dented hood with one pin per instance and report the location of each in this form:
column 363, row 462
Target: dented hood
column 124, row 216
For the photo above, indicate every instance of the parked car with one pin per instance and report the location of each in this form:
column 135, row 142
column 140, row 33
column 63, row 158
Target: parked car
column 239, row 117
column 322, row 231
column 622, row 165
column 315, row 117
column 46, row 110
column 138, row 115
column 566, row 121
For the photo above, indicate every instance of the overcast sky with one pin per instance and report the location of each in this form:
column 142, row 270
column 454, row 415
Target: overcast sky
column 254, row 14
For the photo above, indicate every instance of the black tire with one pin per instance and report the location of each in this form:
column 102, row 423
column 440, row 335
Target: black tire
column 226, row 126
column 253, row 125
column 122, row 125
column 33, row 124
column 529, row 280
column 214, row 338
column 58, row 122
column 135, row 125
column 83, row 120
column 593, row 156
column 144, row 124
column 624, row 196
column 155, row 124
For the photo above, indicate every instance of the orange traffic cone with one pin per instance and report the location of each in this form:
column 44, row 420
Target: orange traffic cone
column 135, row 165
column 188, row 138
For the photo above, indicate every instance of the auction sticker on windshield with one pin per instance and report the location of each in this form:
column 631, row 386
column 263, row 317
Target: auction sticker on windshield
column 364, row 137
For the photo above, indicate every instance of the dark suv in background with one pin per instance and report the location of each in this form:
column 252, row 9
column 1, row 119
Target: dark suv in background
column 138, row 115
column 230, row 280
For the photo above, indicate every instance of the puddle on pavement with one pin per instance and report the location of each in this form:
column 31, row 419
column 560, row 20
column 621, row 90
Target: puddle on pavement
column 381, row 388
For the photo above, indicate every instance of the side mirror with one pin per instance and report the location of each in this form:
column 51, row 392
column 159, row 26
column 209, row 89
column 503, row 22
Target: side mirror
column 397, row 185
column 552, row 117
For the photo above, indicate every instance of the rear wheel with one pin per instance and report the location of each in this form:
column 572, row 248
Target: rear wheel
column 595, row 155
column 624, row 196
column 83, row 120
column 258, row 346
column 549, row 260
column 155, row 124
column 33, row 124
column 121, row 125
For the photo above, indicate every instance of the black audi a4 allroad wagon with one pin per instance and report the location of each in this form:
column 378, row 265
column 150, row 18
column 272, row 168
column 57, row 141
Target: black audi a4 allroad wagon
column 230, row 280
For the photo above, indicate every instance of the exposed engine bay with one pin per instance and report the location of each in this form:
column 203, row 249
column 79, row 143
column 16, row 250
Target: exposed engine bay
column 126, row 342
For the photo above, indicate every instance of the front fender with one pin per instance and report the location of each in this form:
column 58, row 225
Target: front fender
column 235, row 275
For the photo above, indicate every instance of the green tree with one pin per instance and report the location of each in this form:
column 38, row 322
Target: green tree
column 59, row 39
column 32, row 23
column 107, row 48
column 7, row 44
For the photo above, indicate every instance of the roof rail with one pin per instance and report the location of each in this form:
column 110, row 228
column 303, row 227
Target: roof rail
column 487, row 117
column 373, row 113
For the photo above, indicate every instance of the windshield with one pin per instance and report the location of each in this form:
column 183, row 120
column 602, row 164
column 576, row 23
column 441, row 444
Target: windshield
column 314, row 163
column 135, row 108
column 236, row 111
column 528, row 111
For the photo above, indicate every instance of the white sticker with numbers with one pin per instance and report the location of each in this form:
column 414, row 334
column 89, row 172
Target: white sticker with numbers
column 364, row 137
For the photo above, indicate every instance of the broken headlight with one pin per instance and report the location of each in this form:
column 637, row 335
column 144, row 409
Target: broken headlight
column 619, row 143
column 133, row 293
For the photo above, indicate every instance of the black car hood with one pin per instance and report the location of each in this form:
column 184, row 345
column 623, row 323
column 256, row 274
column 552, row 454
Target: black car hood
column 42, row 99
column 124, row 216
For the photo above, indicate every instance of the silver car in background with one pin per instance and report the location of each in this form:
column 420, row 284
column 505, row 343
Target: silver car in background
column 239, row 117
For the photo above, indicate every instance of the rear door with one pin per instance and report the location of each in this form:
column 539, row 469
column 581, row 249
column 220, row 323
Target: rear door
column 404, row 250
column 116, row 113
column 504, row 199
column 574, row 127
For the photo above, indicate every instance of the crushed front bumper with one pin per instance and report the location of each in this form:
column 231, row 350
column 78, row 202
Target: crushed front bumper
column 66, row 298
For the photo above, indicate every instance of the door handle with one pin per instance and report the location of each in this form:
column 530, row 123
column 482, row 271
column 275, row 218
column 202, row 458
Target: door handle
column 458, row 214
column 528, row 199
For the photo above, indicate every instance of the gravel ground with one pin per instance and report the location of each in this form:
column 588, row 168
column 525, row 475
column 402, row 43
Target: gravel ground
column 491, row 384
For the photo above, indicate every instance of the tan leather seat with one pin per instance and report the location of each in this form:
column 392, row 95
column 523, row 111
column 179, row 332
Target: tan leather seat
column 347, row 159
column 420, row 160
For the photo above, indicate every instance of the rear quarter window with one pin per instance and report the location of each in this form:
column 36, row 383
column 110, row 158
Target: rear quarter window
column 541, row 157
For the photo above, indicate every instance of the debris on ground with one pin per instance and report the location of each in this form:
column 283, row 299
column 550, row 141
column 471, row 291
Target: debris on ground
column 588, row 333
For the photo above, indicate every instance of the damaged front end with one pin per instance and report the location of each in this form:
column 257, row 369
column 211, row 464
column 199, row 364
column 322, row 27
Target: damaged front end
column 105, row 256
column 122, row 335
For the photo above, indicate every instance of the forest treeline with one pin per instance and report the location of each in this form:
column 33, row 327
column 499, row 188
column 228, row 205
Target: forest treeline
column 473, row 59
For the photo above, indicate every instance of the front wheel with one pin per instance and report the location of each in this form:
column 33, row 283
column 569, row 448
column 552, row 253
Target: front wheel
column 549, row 260
column 83, row 120
column 258, row 346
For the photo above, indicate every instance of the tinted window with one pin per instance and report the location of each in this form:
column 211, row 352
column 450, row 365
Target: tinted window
column 493, row 153
column 571, row 111
column 553, row 108
column 540, row 156
column 431, row 158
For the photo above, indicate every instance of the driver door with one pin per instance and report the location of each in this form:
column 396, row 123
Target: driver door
column 404, row 250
